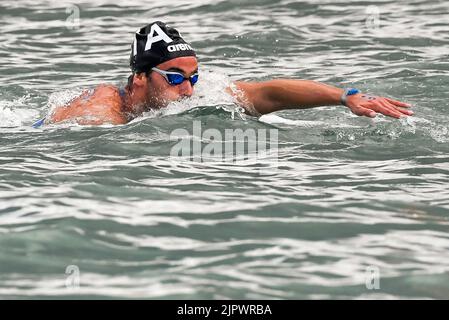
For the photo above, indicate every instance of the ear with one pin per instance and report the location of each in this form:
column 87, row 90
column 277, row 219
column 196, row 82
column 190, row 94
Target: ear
column 140, row 79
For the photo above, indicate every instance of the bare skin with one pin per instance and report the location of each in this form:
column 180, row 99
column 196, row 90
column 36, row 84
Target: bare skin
column 105, row 105
column 275, row 95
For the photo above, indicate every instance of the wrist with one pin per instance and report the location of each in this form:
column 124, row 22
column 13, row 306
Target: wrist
column 347, row 93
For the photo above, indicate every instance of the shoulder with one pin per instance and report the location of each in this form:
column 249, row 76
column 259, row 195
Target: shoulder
column 105, row 97
column 107, row 89
column 102, row 103
column 108, row 99
column 106, row 86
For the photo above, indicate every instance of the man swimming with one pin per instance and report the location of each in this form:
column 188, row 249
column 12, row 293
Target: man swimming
column 165, row 69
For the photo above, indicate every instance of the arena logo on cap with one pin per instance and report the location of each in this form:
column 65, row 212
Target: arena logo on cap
column 179, row 47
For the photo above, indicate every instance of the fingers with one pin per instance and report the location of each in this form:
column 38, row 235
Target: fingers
column 398, row 103
column 361, row 111
column 405, row 111
column 385, row 106
column 389, row 110
column 385, row 109
column 396, row 108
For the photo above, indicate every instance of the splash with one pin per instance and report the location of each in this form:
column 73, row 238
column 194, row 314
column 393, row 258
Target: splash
column 439, row 133
column 210, row 92
column 14, row 113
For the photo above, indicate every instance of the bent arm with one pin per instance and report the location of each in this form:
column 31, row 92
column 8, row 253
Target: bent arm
column 275, row 95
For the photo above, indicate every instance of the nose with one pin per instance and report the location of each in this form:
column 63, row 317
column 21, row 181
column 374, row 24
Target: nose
column 186, row 89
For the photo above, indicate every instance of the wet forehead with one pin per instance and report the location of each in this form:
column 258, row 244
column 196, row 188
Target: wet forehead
column 188, row 65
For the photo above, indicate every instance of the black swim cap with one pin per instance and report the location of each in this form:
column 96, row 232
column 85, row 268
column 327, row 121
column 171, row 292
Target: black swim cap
column 156, row 43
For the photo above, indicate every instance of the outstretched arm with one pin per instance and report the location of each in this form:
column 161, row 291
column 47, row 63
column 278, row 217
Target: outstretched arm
column 274, row 95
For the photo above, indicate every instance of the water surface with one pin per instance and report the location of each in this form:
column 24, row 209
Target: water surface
column 346, row 195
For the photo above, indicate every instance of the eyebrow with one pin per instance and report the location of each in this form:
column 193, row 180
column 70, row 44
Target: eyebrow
column 174, row 69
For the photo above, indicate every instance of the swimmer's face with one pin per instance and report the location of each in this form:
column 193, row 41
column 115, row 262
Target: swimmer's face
column 160, row 92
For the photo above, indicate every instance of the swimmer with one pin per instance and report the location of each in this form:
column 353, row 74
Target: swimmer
column 165, row 69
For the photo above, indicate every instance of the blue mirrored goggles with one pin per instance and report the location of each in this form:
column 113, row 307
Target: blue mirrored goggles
column 176, row 78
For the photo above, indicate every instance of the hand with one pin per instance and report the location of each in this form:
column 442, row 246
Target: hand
column 366, row 105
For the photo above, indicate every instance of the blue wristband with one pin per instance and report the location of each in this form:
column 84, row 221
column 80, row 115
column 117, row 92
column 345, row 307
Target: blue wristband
column 348, row 92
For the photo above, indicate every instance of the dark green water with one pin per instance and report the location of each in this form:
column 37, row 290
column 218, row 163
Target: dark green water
column 345, row 195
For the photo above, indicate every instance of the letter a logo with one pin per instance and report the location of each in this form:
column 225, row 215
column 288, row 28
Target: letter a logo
column 161, row 35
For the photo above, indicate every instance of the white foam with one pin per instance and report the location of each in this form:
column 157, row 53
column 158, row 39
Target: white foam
column 275, row 119
column 209, row 92
column 61, row 98
column 15, row 113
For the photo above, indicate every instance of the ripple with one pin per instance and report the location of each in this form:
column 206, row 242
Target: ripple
column 343, row 193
